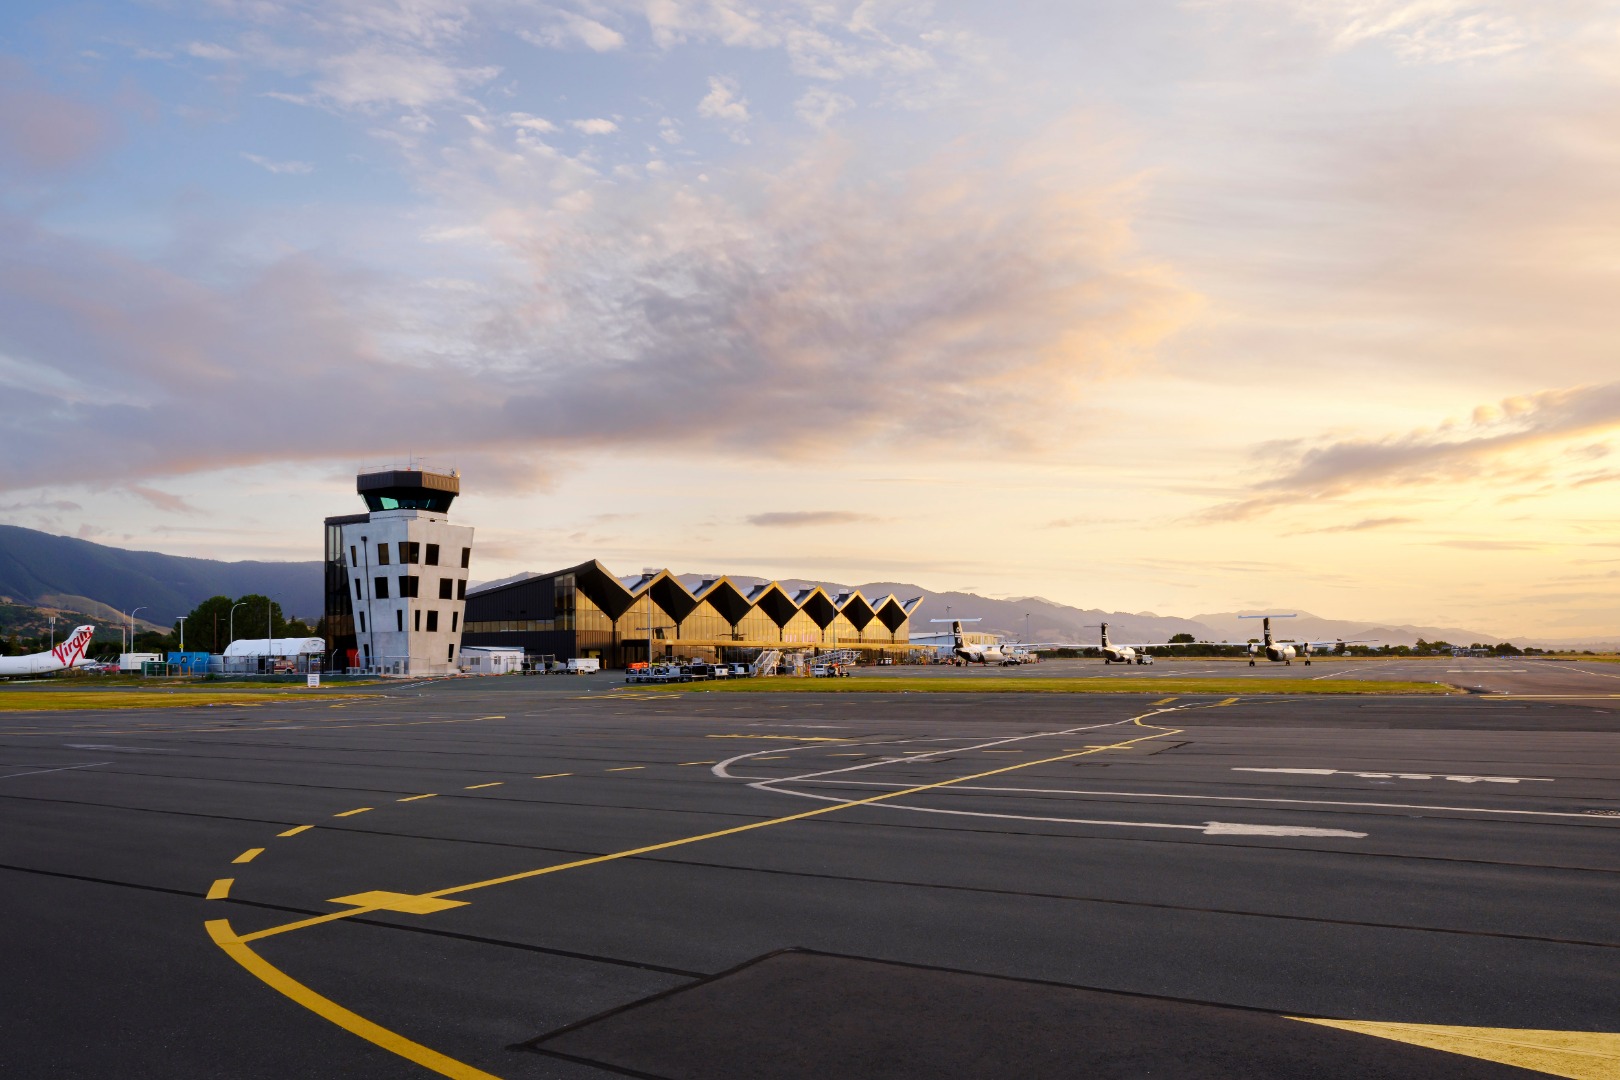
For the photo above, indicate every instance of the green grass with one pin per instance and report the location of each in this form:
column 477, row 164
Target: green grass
column 972, row 685
column 74, row 700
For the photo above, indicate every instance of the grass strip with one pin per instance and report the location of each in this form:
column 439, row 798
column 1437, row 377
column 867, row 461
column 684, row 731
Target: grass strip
column 971, row 685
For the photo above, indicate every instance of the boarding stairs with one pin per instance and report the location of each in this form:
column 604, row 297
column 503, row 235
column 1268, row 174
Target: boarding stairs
column 841, row 657
column 767, row 661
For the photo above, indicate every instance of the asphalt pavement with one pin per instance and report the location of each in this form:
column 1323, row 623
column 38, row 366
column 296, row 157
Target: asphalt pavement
column 566, row 877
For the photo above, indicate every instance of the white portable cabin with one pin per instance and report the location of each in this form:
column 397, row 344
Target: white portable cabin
column 489, row 660
column 246, row 655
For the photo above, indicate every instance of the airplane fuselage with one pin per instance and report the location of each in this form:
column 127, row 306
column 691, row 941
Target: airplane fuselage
column 70, row 653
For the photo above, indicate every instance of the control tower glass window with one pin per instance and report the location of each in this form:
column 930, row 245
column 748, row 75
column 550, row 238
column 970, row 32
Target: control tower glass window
column 409, row 489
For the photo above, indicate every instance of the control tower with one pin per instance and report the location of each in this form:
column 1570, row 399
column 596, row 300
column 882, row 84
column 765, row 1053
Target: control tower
column 396, row 576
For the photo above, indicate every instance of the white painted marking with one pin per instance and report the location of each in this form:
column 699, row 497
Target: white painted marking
column 1457, row 779
column 59, row 768
column 763, row 782
column 125, row 749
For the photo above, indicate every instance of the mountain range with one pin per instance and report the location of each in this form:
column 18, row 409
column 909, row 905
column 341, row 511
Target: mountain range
column 49, row 571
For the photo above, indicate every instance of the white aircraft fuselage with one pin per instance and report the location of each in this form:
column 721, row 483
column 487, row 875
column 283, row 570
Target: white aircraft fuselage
column 70, row 653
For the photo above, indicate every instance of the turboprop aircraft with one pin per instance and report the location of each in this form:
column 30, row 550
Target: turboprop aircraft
column 1114, row 653
column 70, row 653
column 1286, row 651
column 978, row 653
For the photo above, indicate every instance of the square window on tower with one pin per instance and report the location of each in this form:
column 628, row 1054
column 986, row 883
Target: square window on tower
column 432, row 558
column 379, row 588
column 433, row 622
column 382, row 554
column 407, row 585
column 446, row 587
column 455, row 617
column 466, row 558
column 461, row 589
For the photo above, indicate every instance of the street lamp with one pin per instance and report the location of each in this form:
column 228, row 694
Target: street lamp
column 53, row 633
column 232, row 619
column 182, row 622
column 132, row 628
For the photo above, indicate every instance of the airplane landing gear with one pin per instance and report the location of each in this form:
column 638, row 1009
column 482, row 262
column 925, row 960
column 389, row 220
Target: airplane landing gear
column 1307, row 663
column 1251, row 663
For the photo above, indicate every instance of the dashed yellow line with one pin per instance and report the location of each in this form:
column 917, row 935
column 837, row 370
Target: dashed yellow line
column 697, row 763
column 553, row 775
column 1228, row 701
column 627, row 768
column 351, row 813
column 295, row 830
column 787, row 738
column 476, row 787
column 249, row 855
column 220, row 889
column 413, row 798
column 1165, row 701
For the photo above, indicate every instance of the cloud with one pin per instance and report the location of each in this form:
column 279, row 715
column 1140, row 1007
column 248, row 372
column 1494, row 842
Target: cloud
column 162, row 500
column 279, row 167
column 723, row 102
column 526, row 122
column 1416, row 31
column 378, row 74
column 207, row 50
column 1489, row 545
column 1497, row 443
column 818, row 105
column 572, row 29
column 41, row 131
column 595, row 126
column 793, row 307
column 1366, row 525
column 796, row 519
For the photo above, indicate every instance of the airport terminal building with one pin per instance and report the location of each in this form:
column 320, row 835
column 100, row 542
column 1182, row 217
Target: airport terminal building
column 588, row 611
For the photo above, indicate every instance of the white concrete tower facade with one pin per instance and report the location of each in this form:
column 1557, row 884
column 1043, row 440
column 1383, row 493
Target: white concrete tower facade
column 407, row 568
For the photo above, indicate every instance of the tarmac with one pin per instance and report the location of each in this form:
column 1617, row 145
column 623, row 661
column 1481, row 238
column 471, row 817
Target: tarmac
column 565, row 877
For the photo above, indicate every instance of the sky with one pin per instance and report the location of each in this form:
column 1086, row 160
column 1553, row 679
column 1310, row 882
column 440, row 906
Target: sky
column 1178, row 307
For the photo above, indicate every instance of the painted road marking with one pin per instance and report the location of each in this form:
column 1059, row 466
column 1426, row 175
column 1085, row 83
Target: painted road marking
column 220, row 889
column 59, row 768
column 351, row 813
column 769, row 783
column 1579, row 1055
column 295, row 830
column 1228, row 701
column 249, row 855
column 789, row 738
column 477, row 787
column 223, row 936
column 842, row 804
column 693, row 763
column 413, row 798
column 1406, row 776
column 553, row 775
column 1164, row 701
column 626, row 768
column 409, row 903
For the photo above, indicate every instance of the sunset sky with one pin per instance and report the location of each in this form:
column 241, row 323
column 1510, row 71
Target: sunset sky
column 1148, row 306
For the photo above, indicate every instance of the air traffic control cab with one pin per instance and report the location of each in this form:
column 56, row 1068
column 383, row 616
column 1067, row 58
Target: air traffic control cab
column 396, row 576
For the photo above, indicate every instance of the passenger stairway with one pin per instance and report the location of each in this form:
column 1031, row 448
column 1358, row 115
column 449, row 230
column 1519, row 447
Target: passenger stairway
column 767, row 661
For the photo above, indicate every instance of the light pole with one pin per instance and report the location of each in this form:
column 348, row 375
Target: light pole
column 53, row 633
column 182, row 621
column 231, row 623
column 132, row 628
column 1026, row 626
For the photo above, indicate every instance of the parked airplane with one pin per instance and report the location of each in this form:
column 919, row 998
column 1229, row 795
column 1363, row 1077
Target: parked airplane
column 976, row 653
column 1286, row 651
column 68, row 654
column 1113, row 653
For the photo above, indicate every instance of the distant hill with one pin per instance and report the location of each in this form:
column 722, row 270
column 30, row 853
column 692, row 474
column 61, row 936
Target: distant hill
column 62, row 572
column 40, row 569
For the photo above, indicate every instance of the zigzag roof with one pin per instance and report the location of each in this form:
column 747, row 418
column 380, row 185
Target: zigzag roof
column 678, row 595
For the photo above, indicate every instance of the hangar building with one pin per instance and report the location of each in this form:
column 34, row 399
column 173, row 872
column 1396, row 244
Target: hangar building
column 588, row 611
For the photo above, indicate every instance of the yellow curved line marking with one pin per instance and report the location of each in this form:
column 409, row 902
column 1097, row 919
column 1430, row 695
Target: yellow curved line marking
column 1576, row 1055
column 284, row 984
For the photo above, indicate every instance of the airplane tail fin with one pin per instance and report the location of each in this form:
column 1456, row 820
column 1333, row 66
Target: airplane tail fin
column 71, row 651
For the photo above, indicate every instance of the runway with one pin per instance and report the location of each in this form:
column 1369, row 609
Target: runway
column 562, row 878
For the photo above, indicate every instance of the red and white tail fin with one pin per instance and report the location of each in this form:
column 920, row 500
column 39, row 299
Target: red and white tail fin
column 71, row 651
